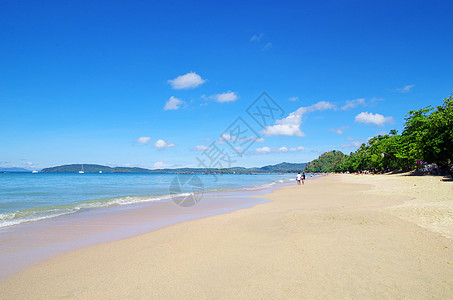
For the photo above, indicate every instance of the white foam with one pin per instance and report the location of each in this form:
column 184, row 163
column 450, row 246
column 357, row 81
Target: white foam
column 41, row 213
column 30, row 215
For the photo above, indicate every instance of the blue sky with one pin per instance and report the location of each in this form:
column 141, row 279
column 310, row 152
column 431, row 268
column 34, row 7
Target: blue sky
column 88, row 82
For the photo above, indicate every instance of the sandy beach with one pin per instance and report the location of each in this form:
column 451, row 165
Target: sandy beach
column 336, row 237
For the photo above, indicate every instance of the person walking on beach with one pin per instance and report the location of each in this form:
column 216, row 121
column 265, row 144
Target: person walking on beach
column 303, row 178
column 298, row 178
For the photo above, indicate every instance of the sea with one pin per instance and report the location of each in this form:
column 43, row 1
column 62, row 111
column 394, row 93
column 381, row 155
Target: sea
column 28, row 197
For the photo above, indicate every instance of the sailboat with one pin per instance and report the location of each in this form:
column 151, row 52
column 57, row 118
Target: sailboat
column 81, row 171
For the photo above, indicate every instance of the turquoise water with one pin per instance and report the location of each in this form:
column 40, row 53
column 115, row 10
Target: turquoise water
column 26, row 197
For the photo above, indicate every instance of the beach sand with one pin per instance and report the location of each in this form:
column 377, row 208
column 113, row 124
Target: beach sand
column 336, row 237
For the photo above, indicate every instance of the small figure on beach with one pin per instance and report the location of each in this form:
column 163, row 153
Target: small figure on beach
column 303, row 178
column 298, row 178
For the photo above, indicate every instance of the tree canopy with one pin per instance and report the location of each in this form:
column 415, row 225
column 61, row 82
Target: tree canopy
column 427, row 138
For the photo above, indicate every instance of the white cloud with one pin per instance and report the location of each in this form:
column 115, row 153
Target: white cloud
column 173, row 104
column 298, row 149
column 200, row 148
column 163, row 144
column 339, row 130
column 187, row 81
column 282, row 149
column 353, row 103
column 283, row 129
column 406, row 89
column 225, row 97
column 260, row 140
column 256, row 37
column 370, row 118
column 160, row 165
column 291, row 125
column 294, row 99
column 263, row 150
column 228, row 137
column 144, row 140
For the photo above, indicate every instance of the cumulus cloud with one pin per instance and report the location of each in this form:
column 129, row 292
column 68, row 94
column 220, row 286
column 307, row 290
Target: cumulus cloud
column 375, row 119
column 296, row 149
column 339, row 130
column 290, row 125
column 144, row 140
column 259, row 140
column 353, row 103
column 200, row 148
column 263, row 150
column 187, row 81
column 406, row 89
column 163, row 144
column 227, row 137
column 294, row 99
column 284, row 129
column 225, row 97
column 173, row 104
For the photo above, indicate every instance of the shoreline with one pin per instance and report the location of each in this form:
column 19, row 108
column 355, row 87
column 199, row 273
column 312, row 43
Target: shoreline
column 337, row 236
column 27, row 244
column 134, row 195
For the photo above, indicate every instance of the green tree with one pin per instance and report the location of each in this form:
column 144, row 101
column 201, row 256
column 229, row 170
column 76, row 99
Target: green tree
column 429, row 133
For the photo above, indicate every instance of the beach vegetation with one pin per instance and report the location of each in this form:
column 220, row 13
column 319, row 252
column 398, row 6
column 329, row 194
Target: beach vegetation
column 427, row 139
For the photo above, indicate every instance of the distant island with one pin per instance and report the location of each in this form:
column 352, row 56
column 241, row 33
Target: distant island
column 284, row 167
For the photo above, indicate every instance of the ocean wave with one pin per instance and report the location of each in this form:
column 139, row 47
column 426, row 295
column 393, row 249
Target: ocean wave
column 48, row 212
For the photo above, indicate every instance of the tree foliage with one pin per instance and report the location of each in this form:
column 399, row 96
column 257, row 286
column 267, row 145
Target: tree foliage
column 427, row 137
column 325, row 163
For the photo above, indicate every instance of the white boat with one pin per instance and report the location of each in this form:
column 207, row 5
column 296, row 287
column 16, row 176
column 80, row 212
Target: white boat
column 81, row 171
column 34, row 172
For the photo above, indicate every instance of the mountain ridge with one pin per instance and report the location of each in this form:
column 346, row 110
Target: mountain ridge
column 283, row 167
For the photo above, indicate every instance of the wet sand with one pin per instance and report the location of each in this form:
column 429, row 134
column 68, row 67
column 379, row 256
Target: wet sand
column 25, row 245
column 340, row 236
